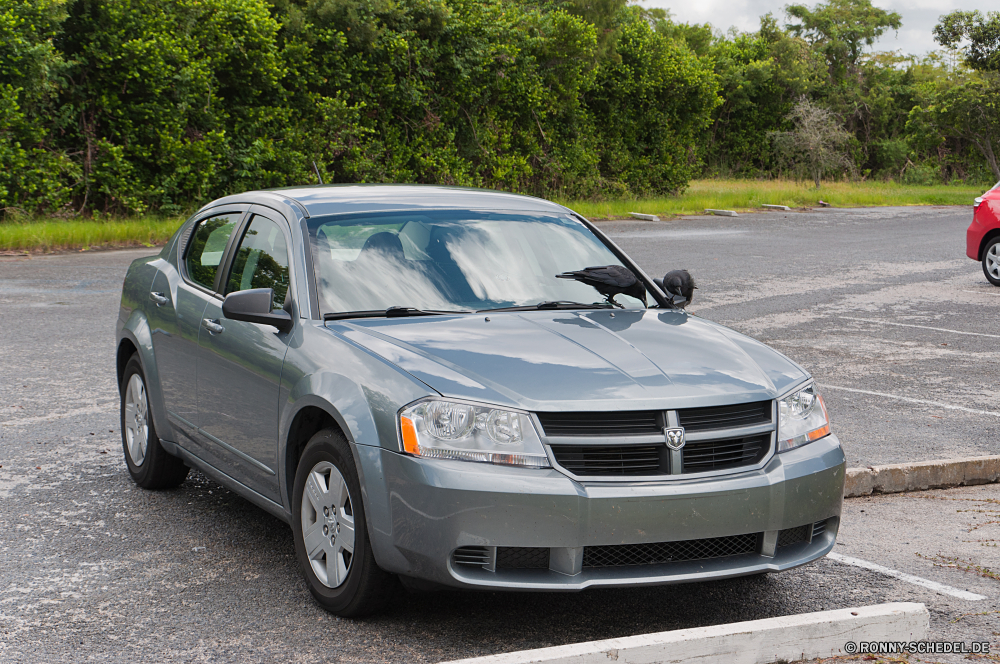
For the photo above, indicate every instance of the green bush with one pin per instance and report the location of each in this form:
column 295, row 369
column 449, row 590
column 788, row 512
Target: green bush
column 130, row 107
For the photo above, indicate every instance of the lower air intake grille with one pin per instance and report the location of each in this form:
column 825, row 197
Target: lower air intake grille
column 819, row 528
column 471, row 556
column 612, row 459
column 668, row 552
column 729, row 453
column 522, row 557
column 790, row 536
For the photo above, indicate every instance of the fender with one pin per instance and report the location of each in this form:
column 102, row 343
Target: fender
column 136, row 330
column 366, row 432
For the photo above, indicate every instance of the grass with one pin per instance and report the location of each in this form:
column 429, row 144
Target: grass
column 46, row 235
column 746, row 195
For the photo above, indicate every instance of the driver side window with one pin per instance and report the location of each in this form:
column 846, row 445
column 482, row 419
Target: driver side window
column 261, row 261
column 207, row 246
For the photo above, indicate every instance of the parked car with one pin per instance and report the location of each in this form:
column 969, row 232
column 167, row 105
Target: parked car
column 397, row 372
column 982, row 239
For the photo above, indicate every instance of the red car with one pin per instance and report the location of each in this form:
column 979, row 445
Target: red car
column 983, row 237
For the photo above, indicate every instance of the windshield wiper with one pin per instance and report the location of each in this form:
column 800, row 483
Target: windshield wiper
column 391, row 312
column 552, row 304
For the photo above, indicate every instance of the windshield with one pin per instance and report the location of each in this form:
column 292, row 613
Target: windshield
column 453, row 260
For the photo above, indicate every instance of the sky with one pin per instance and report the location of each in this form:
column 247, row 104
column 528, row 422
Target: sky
column 915, row 38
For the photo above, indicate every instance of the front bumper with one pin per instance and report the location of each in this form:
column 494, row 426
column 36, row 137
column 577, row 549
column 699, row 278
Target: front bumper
column 430, row 508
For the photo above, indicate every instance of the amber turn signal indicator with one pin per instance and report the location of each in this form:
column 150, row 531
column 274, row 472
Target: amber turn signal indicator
column 409, row 436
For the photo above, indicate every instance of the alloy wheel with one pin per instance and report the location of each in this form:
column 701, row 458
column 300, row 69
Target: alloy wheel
column 993, row 261
column 328, row 524
column 136, row 419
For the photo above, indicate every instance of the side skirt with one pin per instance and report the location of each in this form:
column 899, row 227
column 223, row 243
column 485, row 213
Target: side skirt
column 225, row 480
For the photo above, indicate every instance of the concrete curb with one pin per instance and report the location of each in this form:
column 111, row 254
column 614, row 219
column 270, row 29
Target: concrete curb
column 789, row 638
column 644, row 217
column 920, row 476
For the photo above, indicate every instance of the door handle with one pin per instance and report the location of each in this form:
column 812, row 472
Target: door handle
column 159, row 298
column 213, row 326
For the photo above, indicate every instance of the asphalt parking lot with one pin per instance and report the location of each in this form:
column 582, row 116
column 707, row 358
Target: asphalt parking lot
column 881, row 305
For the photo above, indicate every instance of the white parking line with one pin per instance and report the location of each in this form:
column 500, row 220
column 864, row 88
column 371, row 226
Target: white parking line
column 923, row 327
column 903, row 576
column 938, row 404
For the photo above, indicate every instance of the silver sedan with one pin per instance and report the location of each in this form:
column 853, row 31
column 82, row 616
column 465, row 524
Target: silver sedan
column 398, row 373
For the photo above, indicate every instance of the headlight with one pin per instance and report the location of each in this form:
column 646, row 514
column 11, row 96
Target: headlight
column 801, row 419
column 454, row 430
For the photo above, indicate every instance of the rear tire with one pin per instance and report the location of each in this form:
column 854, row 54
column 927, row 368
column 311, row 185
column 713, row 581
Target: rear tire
column 330, row 530
column 991, row 261
column 150, row 466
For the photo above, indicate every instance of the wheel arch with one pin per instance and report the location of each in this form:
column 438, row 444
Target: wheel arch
column 308, row 420
column 989, row 237
column 126, row 349
column 364, row 419
column 135, row 338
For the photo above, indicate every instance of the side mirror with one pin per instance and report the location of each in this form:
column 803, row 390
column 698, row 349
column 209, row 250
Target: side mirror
column 254, row 306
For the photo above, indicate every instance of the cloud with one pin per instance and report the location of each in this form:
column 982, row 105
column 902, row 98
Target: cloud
column 915, row 37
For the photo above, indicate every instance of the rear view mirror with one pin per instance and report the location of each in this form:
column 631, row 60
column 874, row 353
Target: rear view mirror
column 254, row 306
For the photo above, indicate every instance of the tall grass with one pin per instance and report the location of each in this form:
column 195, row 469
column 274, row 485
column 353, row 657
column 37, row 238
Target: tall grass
column 740, row 195
column 52, row 235
column 746, row 195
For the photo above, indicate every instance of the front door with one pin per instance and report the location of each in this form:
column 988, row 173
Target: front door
column 240, row 364
column 178, row 303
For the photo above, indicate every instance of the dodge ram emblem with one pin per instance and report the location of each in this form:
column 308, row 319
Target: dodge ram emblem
column 674, row 438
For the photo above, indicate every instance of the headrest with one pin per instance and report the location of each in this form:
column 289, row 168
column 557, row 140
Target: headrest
column 384, row 242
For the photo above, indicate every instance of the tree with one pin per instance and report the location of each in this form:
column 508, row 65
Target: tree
column 762, row 75
column 650, row 106
column 34, row 173
column 841, row 30
column 983, row 51
column 967, row 109
column 816, row 145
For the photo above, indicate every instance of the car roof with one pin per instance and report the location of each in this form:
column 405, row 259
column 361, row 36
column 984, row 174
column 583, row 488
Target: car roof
column 322, row 200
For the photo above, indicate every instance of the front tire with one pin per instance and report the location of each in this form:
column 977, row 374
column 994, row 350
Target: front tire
column 991, row 261
column 150, row 466
column 331, row 535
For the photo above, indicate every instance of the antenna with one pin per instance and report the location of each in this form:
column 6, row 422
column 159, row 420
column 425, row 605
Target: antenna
column 318, row 176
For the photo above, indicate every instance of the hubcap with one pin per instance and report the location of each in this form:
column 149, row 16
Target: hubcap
column 993, row 261
column 136, row 420
column 328, row 524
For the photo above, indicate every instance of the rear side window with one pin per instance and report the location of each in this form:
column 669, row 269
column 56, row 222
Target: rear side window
column 261, row 261
column 208, row 244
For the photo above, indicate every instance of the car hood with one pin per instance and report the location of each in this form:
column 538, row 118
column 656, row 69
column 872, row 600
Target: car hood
column 579, row 360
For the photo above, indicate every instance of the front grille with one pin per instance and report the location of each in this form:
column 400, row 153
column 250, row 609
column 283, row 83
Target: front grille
column 613, row 423
column 727, row 453
column 471, row 556
column 819, row 528
column 646, row 459
column 725, row 417
column 640, row 460
column 790, row 536
column 668, row 552
column 612, row 459
column 522, row 557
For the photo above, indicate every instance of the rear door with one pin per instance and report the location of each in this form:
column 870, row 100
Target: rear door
column 240, row 363
column 178, row 299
